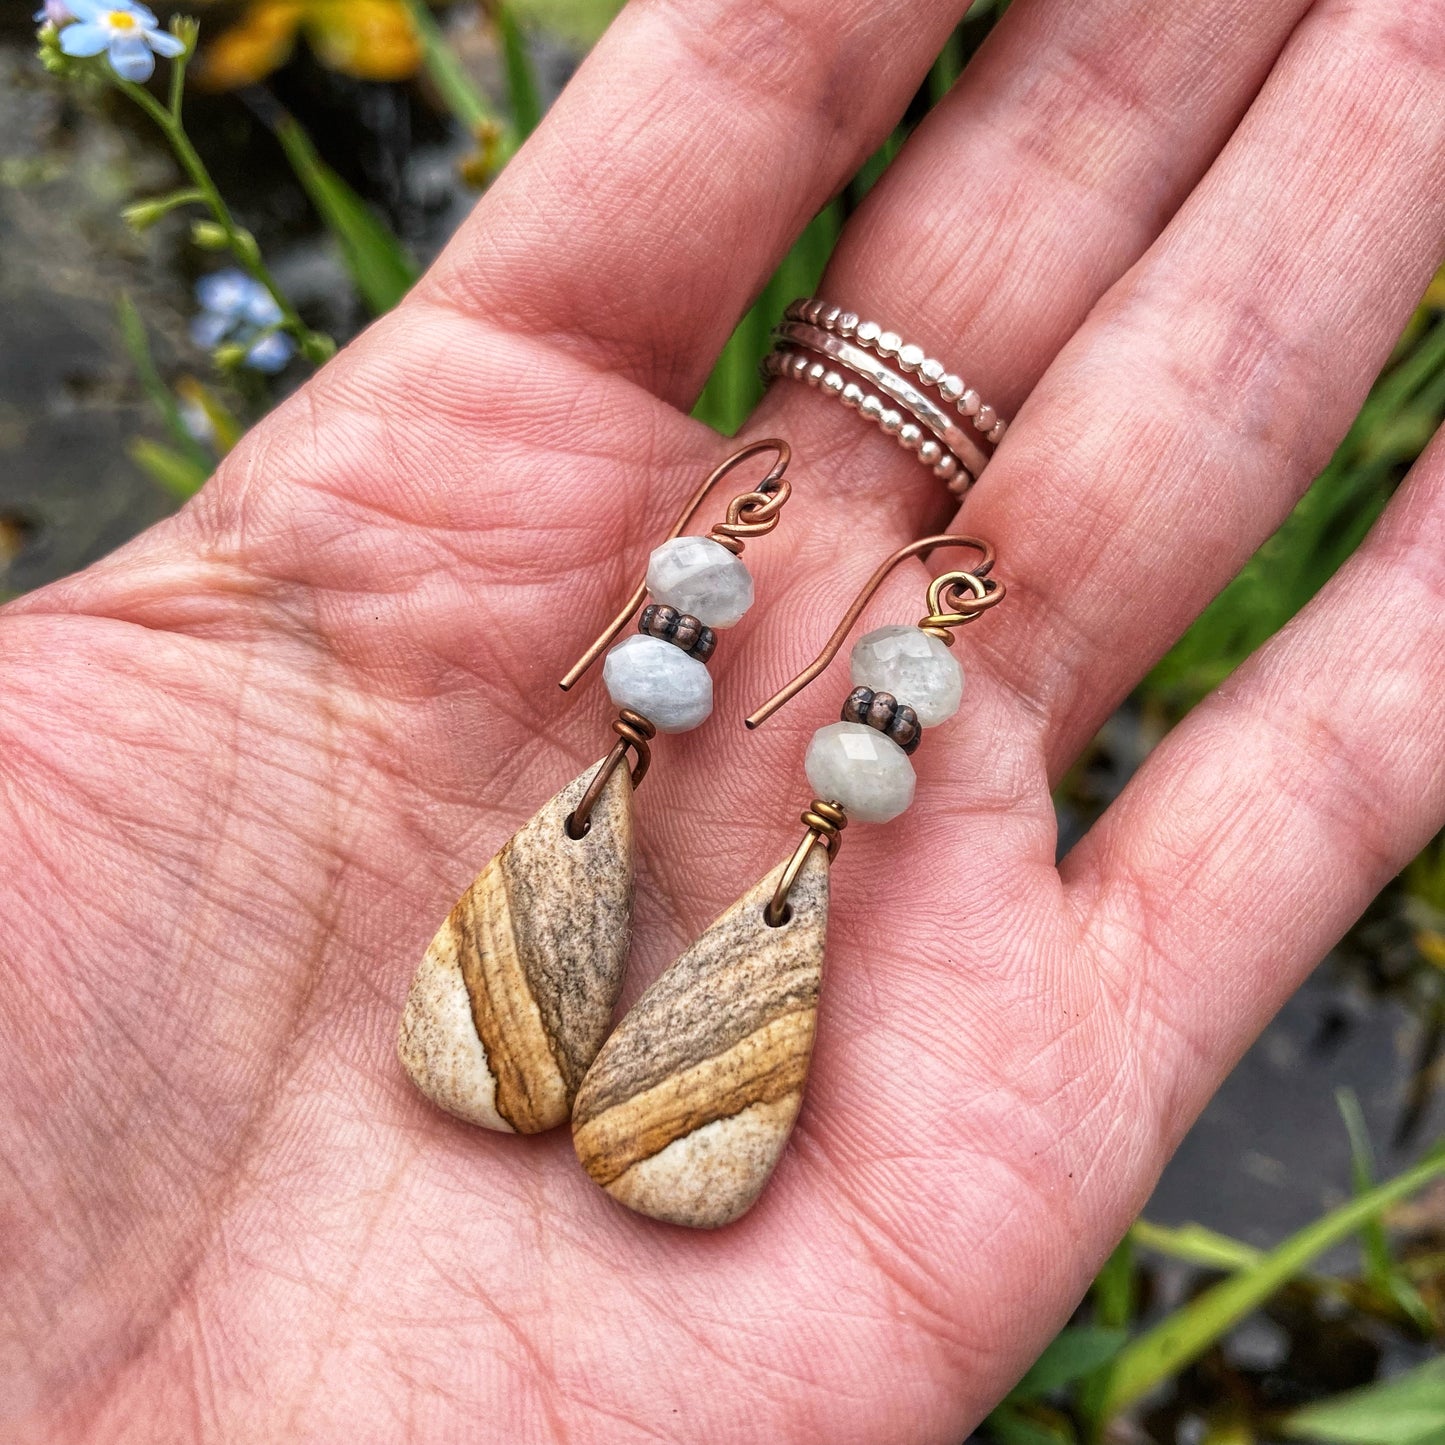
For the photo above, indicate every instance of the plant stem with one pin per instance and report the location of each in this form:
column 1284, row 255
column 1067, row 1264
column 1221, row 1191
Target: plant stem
column 242, row 244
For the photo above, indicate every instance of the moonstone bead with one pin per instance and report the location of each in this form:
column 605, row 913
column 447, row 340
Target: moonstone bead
column 862, row 771
column 914, row 667
column 670, row 689
column 701, row 578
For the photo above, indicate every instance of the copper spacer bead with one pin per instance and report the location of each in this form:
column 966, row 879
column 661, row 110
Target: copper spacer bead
column 883, row 711
column 684, row 631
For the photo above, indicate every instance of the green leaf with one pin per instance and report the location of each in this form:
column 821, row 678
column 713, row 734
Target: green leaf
column 521, row 79
column 581, row 21
column 1195, row 1244
column 379, row 266
column 1073, row 1353
column 1113, row 1291
column 142, row 215
column 1009, row 1425
column 1406, row 1410
column 734, row 387
column 177, row 473
column 1181, row 1338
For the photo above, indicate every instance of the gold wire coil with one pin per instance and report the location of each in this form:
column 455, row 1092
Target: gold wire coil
column 825, row 823
column 634, row 734
column 955, row 598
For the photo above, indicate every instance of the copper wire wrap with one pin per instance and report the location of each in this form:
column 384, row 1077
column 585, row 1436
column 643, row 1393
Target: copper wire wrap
column 752, row 514
column 825, row 823
column 949, row 605
column 954, row 599
column 634, row 735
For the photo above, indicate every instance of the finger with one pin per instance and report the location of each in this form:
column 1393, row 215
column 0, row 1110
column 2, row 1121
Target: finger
column 1181, row 424
column 1044, row 175
column 1269, row 818
column 667, row 182
column 1074, row 74
column 458, row 410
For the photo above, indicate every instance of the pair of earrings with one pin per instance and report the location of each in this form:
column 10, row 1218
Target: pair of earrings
column 684, row 1110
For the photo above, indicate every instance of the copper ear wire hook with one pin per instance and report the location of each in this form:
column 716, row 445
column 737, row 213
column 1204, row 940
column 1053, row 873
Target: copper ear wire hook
column 947, row 608
column 752, row 514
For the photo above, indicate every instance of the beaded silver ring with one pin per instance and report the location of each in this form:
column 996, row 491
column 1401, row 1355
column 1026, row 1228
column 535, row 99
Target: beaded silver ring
column 817, row 343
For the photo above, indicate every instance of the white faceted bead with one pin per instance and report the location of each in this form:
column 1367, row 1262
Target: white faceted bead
column 649, row 675
column 701, row 578
column 914, row 667
column 861, row 770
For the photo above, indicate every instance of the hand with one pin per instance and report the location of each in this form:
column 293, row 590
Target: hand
column 249, row 761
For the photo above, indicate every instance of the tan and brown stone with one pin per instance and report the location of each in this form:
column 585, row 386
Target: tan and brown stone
column 687, row 1108
column 515, row 994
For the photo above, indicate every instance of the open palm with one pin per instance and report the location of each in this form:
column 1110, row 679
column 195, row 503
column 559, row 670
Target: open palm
column 247, row 763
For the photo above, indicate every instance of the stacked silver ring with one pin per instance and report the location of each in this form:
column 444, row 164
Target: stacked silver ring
column 817, row 343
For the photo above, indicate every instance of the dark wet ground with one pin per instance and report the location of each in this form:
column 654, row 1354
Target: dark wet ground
column 1270, row 1152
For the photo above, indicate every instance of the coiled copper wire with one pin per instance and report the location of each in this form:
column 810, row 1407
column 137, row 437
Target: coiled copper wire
column 634, row 734
column 825, row 823
column 958, row 597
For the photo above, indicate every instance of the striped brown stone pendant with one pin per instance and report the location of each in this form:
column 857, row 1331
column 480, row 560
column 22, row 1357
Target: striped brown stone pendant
column 515, row 994
column 687, row 1108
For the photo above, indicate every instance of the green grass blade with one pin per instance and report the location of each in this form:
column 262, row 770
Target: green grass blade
column 449, row 75
column 1406, row 1410
column 1113, row 1296
column 179, row 474
column 522, row 87
column 1197, row 1245
column 380, row 268
column 137, row 344
column 946, row 69
column 1376, row 1248
column 1188, row 1332
column 1113, row 1291
column 1382, row 1270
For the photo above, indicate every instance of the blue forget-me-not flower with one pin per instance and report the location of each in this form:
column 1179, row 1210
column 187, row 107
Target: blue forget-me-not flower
column 238, row 309
column 127, row 34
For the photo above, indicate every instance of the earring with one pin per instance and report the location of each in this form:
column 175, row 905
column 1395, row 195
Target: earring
column 688, row 1106
column 515, row 994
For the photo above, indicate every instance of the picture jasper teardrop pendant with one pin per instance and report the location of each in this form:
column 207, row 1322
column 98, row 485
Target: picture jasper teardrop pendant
column 689, row 1105
column 515, row 994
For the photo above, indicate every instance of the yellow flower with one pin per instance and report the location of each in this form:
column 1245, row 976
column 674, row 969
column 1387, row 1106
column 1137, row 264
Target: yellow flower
column 370, row 39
